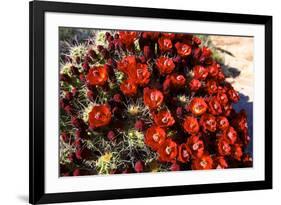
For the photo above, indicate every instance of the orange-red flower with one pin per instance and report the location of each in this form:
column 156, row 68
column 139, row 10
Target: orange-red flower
column 184, row 153
column 126, row 64
column 165, row 44
column 208, row 122
column 152, row 98
column 99, row 116
column 211, row 87
column 127, row 38
column 183, row 50
column 139, row 74
column 168, row 151
column 178, row 80
column 222, row 123
column 163, row 118
column 165, row 65
column 191, row 125
column 214, row 106
column 200, row 72
column 198, row 106
column 154, row 137
column 231, row 135
column 97, row 75
column 128, row 88
column 202, row 163
column 196, row 146
column 233, row 95
column 224, row 147
column 169, row 35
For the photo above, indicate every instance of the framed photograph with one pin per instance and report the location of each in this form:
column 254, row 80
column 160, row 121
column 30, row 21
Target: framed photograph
column 140, row 102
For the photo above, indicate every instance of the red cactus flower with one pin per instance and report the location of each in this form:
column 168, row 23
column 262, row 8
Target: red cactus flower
column 165, row 65
column 196, row 146
column 99, row 116
column 127, row 38
column 154, row 137
column 126, row 64
column 163, row 118
column 183, row 50
column 194, row 85
column 208, row 122
column 222, row 123
column 214, row 106
column 231, row 135
column 211, row 87
column 224, row 147
column 198, row 106
column 191, row 125
column 128, row 88
column 97, row 76
column 178, row 80
column 184, row 154
column 152, row 98
column 237, row 152
column 168, row 151
column 202, row 163
column 139, row 74
column 233, row 95
column 200, row 72
column 165, row 44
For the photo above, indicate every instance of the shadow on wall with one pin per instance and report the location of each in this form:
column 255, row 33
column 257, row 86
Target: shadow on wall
column 247, row 105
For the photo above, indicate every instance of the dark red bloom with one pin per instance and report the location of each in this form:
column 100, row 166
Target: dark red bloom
column 222, row 123
column 214, row 106
column 184, row 153
column 208, row 122
column 183, row 50
column 169, row 35
column 168, row 151
column 154, row 137
column 178, row 80
column 202, row 163
column 163, row 118
column 198, row 106
column 237, row 152
column 165, row 44
column 222, row 98
column 213, row 69
column 152, row 98
column 99, row 116
column 200, row 72
column 191, row 125
column 211, row 87
column 165, row 65
column 194, row 85
column 97, row 75
column 128, row 88
column 233, row 95
column 196, row 146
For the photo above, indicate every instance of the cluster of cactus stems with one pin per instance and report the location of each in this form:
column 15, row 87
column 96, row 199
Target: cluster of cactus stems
column 134, row 102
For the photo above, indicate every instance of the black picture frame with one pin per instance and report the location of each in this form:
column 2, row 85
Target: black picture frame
column 37, row 10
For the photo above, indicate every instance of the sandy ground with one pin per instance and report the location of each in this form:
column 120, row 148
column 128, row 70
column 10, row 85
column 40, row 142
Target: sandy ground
column 242, row 60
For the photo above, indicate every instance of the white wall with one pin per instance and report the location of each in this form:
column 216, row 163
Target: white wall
column 14, row 100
